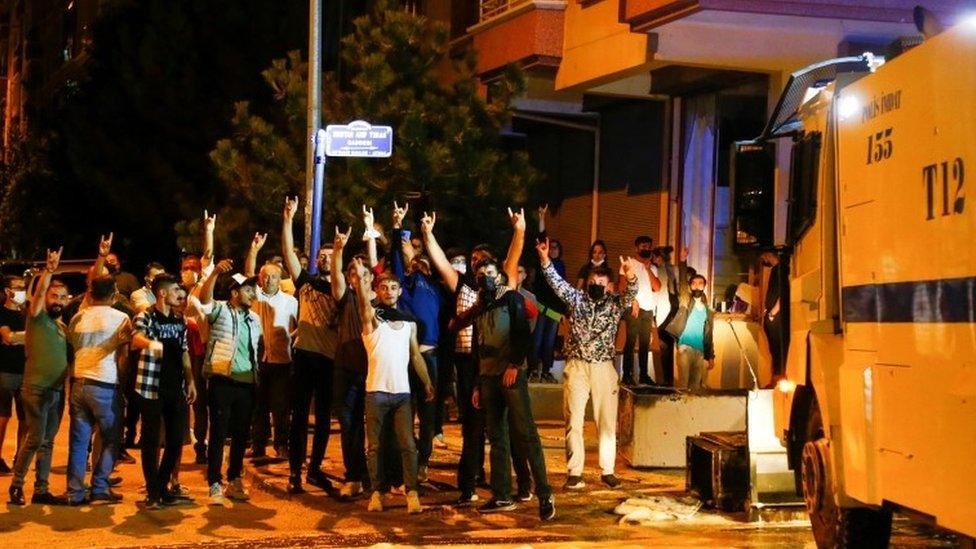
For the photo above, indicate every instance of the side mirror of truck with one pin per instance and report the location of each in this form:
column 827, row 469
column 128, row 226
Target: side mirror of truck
column 753, row 175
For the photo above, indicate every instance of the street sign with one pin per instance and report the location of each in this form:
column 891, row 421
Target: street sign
column 358, row 139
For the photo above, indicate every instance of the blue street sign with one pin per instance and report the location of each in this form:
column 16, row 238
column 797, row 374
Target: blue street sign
column 359, row 139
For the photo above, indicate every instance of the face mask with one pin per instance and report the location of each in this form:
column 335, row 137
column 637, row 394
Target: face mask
column 766, row 263
column 597, row 262
column 698, row 294
column 19, row 297
column 112, row 269
column 487, row 284
column 645, row 253
column 460, row 267
column 596, row 291
column 54, row 311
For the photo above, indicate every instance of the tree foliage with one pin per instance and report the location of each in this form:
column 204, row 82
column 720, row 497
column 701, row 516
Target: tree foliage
column 399, row 70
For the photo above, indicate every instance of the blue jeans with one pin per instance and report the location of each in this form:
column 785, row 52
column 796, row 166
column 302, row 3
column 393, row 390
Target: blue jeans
column 91, row 406
column 43, row 417
column 382, row 409
column 543, row 345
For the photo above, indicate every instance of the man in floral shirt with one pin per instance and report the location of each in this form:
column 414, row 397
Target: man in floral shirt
column 594, row 316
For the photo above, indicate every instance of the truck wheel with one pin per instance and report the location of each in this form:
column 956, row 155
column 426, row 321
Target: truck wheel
column 834, row 526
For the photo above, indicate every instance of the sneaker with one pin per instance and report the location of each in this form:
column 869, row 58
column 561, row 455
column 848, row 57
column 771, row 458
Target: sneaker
column 126, row 457
column 524, row 494
column 17, row 495
column 646, row 380
column 201, row 457
column 318, row 478
column 236, row 490
column 295, row 485
column 413, row 503
column 375, row 503
column 422, row 474
column 47, row 498
column 179, row 491
column 610, row 480
column 168, row 499
column 547, row 378
column 467, row 498
column 114, row 481
column 108, row 497
column 216, row 494
column 150, row 503
column 439, row 441
column 574, row 483
column 4, row 468
column 547, row 508
column 400, row 490
column 351, row 489
column 497, row 506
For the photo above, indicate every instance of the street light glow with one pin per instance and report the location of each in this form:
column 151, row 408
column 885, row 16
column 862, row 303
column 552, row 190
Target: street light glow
column 848, row 106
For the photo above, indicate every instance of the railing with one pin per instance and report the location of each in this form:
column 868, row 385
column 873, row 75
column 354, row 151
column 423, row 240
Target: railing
column 493, row 8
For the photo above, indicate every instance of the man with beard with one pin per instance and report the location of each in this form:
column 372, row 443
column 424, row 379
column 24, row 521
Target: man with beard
column 46, row 348
column 692, row 328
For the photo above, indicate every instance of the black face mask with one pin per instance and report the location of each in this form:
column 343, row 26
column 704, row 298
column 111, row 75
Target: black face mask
column 766, row 263
column 487, row 284
column 54, row 311
column 698, row 294
column 596, row 291
column 644, row 253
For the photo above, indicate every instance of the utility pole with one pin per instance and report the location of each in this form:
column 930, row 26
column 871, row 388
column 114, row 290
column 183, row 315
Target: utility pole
column 314, row 115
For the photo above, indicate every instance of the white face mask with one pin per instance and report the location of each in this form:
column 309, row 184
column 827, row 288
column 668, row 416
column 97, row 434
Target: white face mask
column 597, row 263
column 460, row 267
column 19, row 297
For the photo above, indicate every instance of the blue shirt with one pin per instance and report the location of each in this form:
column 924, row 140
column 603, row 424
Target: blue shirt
column 420, row 298
column 694, row 334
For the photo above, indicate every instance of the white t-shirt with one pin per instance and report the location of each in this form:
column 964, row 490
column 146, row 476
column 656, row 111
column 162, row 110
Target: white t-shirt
column 96, row 333
column 279, row 317
column 388, row 349
column 142, row 299
column 649, row 300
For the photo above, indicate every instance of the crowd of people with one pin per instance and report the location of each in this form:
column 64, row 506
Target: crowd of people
column 393, row 331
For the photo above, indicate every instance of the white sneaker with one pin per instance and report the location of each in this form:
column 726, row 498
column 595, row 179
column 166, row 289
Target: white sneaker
column 413, row 503
column 216, row 494
column 236, row 491
column 351, row 489
column 376, row 503
column 439, row 441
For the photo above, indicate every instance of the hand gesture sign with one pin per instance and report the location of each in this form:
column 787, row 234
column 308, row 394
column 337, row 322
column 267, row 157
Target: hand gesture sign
column 258, row 241
column 629, row 266
column 224, row 266
column 518, row 219
column 105, row 245
column 684, row 254
column 291, row 206
column 427, row 222
column 368, row 217
column 209, row 221
column 53, row 259
column 339, row 242
column 399, row 214
column 543, row 211
column 542, row 247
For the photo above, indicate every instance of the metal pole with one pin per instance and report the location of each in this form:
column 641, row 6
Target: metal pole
column 317, row 191
column 313, row 193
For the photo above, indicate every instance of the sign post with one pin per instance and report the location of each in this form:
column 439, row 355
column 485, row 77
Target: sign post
column 358, row 139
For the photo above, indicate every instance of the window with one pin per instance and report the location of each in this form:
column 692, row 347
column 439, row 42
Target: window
column 804, row 169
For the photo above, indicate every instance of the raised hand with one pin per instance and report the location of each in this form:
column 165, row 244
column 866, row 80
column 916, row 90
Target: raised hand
column 209, row 221
column 399, row 214
column 224, row 266
column 53, row 259
column 105, row 245
column 258, row 241
column 684, row 254
column 368, row 217
column 339, row 242
column 629, row 266
column 543, row 210
column 543, row 248
column 518, row 219
column 291, row 206
column 427, row 222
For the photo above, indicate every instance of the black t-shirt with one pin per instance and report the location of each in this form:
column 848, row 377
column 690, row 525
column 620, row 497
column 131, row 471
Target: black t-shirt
column 171, row 332
column 12, row 356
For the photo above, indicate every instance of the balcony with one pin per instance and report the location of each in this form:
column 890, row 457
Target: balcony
column 527, row 32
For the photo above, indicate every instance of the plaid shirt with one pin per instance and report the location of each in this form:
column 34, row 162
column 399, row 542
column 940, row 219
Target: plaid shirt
column 155, row 326
column 466, row 298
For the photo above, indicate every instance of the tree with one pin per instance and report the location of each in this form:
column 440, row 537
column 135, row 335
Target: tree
column 399, row 70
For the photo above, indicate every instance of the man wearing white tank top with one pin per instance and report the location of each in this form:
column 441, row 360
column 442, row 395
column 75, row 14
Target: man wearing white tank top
column 390, row 338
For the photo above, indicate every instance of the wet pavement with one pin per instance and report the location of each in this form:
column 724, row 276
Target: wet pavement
column 275, row 519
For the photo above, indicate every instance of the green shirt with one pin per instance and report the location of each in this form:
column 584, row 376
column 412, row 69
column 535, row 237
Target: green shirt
column 241, row 365
column 47, row 352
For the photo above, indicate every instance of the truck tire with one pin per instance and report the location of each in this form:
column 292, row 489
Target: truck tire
column 834, row 526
